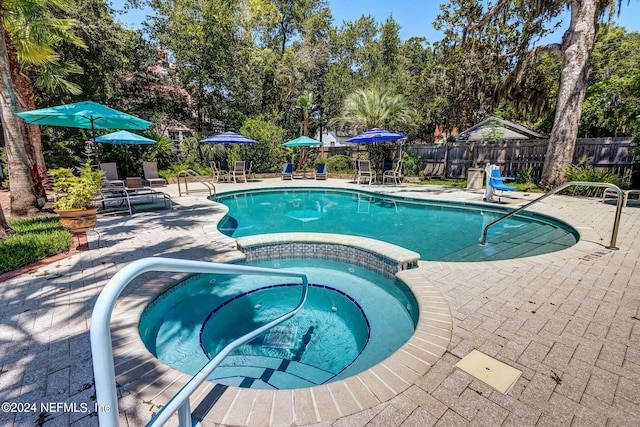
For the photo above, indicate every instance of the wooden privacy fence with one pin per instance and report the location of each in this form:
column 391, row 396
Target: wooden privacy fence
column 453, row 159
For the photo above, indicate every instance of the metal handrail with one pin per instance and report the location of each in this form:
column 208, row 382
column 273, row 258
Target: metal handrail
column 100, row 334
column 616, row 222
column 193, row 174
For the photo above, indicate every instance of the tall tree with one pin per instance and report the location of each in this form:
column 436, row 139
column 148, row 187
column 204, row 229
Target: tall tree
column 470, row 65
column 575, row 51
column 5, row 230
column 35, row 31
column 306, row 103
column 612, row 100
column 23, row 199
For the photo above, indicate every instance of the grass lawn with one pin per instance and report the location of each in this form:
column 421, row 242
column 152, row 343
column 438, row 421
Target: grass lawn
column 450, row 182
column 525, row 187
column 34, row 240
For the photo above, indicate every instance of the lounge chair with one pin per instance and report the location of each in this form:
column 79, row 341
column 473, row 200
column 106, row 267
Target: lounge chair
column 365, row 172
column 287, row 171
column 393, row 174
column 218, row 173
column 495, row 182
column 151, row 177
column 238, row 171
column 111, row 175
column 321, row 171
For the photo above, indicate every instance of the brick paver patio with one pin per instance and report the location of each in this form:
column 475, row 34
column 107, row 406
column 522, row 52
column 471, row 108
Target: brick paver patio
column 570, row 321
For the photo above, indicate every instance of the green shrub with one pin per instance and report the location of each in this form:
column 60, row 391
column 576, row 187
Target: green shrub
column 587, row 173
column 523, row 176
column 339, row 163
column 175, row 169
column 34, row 240
column 79, row 191
column 410, row 165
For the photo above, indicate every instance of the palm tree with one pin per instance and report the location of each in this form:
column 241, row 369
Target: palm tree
column 306, row 102
column 23, row 198
column 29, row 32
column 375, row 108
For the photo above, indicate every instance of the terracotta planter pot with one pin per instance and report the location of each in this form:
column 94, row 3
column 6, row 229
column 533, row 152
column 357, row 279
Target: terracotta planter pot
column 77, row 220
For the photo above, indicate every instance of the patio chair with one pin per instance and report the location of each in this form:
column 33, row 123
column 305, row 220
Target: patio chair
column 247, row 169
column 151, row 177
column 496, row 182
column 111, row 174
column 287, row 171
column 387, row 166
column 393, row 174
column 218, row 173
column 365, row 172
column 239, row 171
column 321, row 171
column 356, row 169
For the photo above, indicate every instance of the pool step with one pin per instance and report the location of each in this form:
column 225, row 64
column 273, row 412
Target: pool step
column 517, row 241
column 261, row 372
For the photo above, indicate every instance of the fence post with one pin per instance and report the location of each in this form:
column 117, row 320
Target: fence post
column 446, row 158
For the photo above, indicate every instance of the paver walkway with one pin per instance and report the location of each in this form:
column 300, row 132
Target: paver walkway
column 569, row 321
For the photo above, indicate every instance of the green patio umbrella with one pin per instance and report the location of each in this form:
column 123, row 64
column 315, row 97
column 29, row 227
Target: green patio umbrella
column 303, row 141
column 84, row 115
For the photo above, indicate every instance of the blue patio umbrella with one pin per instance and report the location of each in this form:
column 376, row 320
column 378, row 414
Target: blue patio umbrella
column 229, row 138
column 376, row 135
column 124, row 137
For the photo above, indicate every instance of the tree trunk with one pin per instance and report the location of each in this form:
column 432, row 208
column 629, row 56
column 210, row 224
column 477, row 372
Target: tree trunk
column 5, row 231
column 23, row 199
column 577, row 45
column 23, row 89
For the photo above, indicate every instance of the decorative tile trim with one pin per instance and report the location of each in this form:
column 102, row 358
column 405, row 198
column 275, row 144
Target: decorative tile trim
column 381, row 257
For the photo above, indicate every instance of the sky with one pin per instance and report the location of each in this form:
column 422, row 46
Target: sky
column 415, row 17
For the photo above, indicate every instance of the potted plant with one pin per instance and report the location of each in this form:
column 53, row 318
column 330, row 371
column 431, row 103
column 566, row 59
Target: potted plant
column 75, row 196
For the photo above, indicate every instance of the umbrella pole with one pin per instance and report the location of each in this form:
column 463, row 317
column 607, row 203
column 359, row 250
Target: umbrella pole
column 93, row 138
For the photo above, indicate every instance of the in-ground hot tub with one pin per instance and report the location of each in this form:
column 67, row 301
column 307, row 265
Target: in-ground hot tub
column 354, row 318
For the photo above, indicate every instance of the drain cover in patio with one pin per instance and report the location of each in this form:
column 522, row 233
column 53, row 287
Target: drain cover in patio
column 493, row 372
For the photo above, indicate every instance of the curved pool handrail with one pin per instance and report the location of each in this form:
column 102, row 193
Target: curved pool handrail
column 100, row 333
column 616, row 221
column 190, row 173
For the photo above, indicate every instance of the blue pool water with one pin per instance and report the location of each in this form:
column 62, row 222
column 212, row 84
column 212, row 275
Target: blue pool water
column 353, row 319
column 439, row 231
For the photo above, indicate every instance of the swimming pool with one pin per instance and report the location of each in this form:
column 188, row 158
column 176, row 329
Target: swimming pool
column 353, row 319
column 438, row 231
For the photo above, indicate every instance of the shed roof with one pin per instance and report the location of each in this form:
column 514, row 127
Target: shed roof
column 507, row 131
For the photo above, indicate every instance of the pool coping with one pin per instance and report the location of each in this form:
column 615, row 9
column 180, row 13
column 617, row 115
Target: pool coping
column 590, row 241
column 139, row 373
